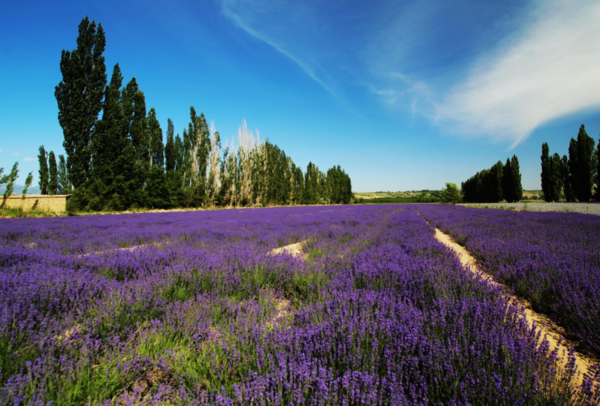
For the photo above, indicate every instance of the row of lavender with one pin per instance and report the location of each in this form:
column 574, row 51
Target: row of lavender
column 190, row 308
column 551, row 259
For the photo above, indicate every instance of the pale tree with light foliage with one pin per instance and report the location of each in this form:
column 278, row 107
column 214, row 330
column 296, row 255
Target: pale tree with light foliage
column 213, row 182
column 246, row 145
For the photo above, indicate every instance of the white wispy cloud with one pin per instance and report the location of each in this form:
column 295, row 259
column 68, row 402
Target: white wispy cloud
column 287, row 26
column 15, row 153
column 28, row 159
column 547, row 71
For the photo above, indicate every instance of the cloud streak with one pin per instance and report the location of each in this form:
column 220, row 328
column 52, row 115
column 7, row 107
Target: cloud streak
column 548, row 71
column 286, row 26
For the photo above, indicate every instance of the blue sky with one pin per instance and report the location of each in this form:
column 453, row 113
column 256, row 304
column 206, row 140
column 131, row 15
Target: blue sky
column 403, row 95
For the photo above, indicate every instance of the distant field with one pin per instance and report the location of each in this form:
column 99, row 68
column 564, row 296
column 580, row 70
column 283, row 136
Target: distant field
column 419, row 196
column 590, row 208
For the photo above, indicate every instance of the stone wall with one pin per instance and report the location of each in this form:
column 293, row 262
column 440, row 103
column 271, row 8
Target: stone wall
column 49, row 203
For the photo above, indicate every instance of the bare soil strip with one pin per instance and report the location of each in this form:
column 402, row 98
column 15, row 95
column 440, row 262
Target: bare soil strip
column 295, row 250
column 550, row 331
column 130, row 249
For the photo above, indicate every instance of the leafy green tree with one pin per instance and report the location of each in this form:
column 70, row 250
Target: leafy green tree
column 451, row 194
column 79, row 97
column 10, row 182
column 28, row 181
column 53, row 174
column 43, row 171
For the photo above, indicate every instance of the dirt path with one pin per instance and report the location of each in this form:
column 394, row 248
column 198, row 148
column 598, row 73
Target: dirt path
column 550, row 331
column 295, row 250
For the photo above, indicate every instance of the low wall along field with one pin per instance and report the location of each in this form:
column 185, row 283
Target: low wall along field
column 49, row 203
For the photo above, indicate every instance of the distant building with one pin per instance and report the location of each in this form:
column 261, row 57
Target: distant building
column 48, row 203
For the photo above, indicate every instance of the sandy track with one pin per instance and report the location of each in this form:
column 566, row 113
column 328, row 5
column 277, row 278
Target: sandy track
column 295, row 250
column 550, row 331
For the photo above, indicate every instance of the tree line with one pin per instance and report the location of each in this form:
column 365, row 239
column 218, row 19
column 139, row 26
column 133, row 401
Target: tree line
column 53, row 177
column 574, row 177
column 116, row 157
column 500, row 182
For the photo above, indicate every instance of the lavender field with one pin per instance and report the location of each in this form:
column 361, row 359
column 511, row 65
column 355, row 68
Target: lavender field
column 193, row 308
column 551, row 259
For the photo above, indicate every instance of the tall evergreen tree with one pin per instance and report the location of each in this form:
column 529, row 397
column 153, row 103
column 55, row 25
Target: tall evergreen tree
column 566, row 180
column 157, row 188
column 79, row 97
column 584, row 168
column 546, row 173
column 202, row 155
column 53, row 174
column 109, row 141
column 157, row 148
column 64, row 185
column 507, row 182
column 170, row 152
column 134, row 158
column 517, row 188
column 43, row 171
column 598, row 171
column 311, row 184
column 556, row 182
column 495, row 182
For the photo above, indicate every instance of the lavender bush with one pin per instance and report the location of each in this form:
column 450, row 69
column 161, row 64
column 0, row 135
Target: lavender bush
column 551, row 259
column 191, row 308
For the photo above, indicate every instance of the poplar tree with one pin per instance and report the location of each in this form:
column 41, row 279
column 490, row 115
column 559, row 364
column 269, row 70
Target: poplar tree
column 556, row 183
column 507, row 182
column 157, row 191
column 53, row 174
column 546, row 173
column 567, row 188
column 170, row 152
column 64, row 186
column 495, row 182
column 517, row 187
column 598, row 171
column 157, row 148
column 583, row 170
column 79, row 97
column 43, row 171
column 109, row 139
